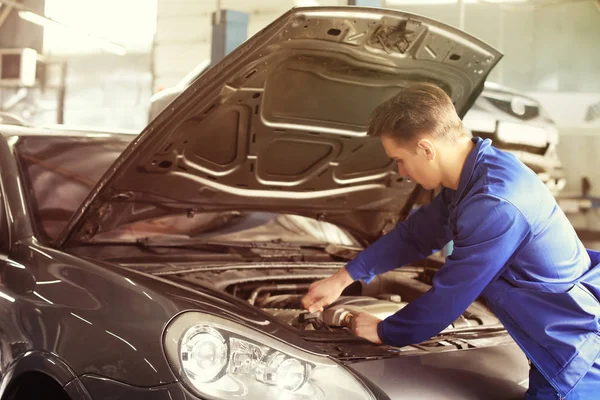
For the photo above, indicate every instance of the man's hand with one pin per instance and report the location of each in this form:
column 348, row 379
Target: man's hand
column 325, row 291
column 365, row 325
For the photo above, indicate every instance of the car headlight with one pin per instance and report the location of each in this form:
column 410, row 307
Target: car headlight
column 220, row 359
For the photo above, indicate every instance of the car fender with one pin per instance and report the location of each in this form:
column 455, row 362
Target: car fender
column 48, row 364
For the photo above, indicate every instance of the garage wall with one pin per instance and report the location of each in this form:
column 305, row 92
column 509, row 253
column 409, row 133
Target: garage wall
column 15, row 32
column 108, row 91
column 578, row 151
column 551, row 48
column 182, row 39
column 103, row 90
column 183, row 32
column 567, row 50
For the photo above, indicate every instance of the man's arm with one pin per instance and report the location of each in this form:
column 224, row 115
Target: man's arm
column 425, row 231
column 490, row 231
column 411, row 240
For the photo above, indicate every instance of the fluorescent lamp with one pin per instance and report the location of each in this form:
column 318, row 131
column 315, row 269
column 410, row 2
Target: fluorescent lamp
column 39, row 20
column 46, row 22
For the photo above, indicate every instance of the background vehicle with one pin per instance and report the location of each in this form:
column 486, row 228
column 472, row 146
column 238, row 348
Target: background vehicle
column 519, row 124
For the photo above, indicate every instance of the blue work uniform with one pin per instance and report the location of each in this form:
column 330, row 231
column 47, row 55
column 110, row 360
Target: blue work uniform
column 515, row 247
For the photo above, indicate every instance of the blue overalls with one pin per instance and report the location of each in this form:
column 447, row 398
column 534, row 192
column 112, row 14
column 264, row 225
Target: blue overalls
column 515, row 247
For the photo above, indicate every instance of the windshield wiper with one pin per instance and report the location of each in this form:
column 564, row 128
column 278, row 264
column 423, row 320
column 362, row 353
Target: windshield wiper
column 338, row 251
column 471, row 332
column 151, row 243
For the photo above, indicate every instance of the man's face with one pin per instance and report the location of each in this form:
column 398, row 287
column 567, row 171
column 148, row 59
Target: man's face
column 414, row 162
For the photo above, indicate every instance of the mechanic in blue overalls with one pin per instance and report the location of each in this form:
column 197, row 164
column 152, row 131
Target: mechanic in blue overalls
column 512, row 245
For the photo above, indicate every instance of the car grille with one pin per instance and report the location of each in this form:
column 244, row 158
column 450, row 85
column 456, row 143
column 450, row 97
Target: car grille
column 530, row 111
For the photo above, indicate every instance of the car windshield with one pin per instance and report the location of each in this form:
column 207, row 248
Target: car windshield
column 60, row 171
column 234, row 226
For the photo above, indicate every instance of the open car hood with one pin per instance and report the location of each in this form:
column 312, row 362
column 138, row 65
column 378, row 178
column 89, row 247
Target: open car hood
column 280, row 124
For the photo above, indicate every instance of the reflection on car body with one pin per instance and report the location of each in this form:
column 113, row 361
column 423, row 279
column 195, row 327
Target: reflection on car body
column 171, row 264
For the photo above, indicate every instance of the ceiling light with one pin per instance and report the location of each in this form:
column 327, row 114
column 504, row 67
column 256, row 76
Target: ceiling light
column 49, row 23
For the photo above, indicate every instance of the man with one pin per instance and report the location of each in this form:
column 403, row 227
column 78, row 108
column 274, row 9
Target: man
column 512, row 245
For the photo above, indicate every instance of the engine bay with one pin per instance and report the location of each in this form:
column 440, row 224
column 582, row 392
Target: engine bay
column 277, row 289
column 382, row 297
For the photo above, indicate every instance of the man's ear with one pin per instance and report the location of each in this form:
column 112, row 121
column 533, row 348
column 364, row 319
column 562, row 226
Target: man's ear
column 427, row 148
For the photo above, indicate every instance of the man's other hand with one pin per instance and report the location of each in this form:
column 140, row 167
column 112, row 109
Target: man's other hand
column 365, row 326
column 325, row 291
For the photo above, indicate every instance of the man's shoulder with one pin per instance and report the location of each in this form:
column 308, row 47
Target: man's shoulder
column 506, row 178
column 505, row 173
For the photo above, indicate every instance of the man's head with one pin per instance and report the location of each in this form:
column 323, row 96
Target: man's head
column 418, row 128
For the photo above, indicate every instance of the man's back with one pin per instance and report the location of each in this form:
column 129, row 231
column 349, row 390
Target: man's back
column 547, row 294
column 514, row 247
column 553, row 253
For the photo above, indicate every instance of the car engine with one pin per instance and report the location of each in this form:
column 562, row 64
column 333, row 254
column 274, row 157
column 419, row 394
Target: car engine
column 382, row 297
column 339, row 314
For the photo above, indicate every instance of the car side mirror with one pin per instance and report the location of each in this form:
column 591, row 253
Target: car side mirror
column 16, row 277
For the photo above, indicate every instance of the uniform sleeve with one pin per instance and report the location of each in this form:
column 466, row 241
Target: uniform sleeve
column 490, row 232
column 424, row 232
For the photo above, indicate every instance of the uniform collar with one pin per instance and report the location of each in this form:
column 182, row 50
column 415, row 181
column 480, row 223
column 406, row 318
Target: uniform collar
column 480, row 146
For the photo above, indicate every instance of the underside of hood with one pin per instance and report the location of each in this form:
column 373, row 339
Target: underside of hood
column 280, row 123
